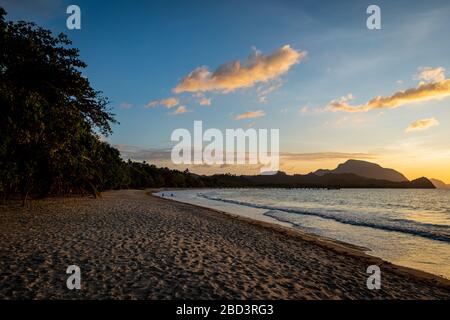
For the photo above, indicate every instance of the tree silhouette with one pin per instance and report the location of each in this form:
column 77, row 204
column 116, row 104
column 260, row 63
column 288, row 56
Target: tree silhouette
column 49, row 110
column 50, row 120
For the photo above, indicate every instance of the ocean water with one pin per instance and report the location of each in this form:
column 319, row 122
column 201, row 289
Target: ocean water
column 406, row 227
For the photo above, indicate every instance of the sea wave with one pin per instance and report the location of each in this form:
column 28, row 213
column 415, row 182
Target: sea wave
column 431, row 231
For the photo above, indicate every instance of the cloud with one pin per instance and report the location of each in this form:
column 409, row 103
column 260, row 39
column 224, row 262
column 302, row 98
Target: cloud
column 125, row 105
column 319, row 156
column 235, row 74
column 263, row 99
column 168, row 103
column 250, row 115
column 423, row 124
column 303, row 109
column 204, row 101
column 164, row 154
column 179, row 110
column 263, row 91
column 425, row 91
column 429, row 74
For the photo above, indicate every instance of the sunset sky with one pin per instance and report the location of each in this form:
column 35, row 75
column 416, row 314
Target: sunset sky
column 312, row 69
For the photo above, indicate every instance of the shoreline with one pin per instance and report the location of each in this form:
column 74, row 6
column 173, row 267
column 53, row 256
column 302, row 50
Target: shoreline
column 324, row 242
column 132, row 245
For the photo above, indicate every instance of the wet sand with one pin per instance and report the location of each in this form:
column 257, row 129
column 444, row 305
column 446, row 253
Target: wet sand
column 131, row 245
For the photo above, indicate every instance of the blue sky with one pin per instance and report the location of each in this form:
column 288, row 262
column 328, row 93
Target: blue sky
column 138, row 52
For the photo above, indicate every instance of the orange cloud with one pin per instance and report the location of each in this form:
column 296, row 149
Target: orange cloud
column 424, row 92
column 250, row 115
column 433, row 86
column 168, row 103
column 205, row 101
column 423, row 124
column 179, row 110
column 234, row 75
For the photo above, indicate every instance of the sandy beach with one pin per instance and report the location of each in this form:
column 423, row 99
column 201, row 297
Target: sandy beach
column 131, row 245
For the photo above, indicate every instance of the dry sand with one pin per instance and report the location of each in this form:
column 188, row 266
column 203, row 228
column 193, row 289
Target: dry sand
column 130, row 245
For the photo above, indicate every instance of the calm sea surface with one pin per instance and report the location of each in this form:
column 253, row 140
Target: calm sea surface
column 406, row 227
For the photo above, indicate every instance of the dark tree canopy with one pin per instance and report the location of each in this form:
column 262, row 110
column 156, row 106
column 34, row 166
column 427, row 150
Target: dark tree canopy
column 49, row 112
column 50, row 115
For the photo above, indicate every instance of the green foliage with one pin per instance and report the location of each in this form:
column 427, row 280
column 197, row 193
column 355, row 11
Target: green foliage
column 50, row 115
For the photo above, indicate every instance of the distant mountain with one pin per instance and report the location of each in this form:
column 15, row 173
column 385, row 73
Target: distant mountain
column 363, row 175
column 440, row 184
column 365, row 169
column 329, row 180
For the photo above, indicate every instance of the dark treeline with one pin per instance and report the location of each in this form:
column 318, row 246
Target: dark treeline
column 51, row 119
